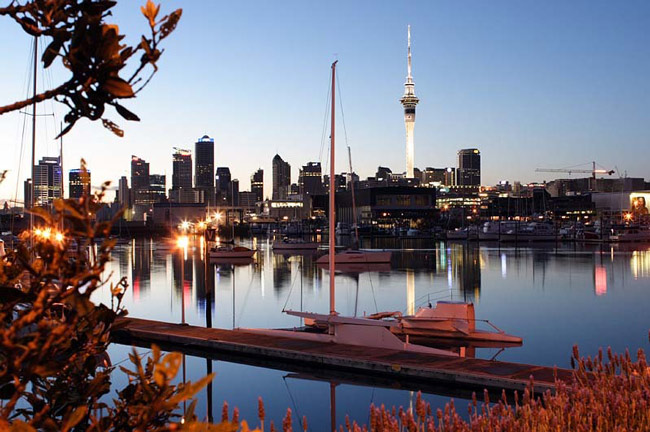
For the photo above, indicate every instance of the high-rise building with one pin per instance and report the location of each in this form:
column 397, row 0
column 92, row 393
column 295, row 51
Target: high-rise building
column 234, row 191
column 469, row 167
column 182, row 169
column 157, row 185
column 28, row 193
column 79, row 183
column 310, row 179
column 48, row 181
column 204, row 163
column 281, row 178
column 123, row 193
column 450, row 177
column 257, row 184
column 223, row 186
column 139, row 180
column 409, row 101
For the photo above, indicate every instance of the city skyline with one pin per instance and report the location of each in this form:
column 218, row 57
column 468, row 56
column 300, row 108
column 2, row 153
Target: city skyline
column 542, row 98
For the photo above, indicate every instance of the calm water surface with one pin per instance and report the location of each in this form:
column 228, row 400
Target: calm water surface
column 552, row 296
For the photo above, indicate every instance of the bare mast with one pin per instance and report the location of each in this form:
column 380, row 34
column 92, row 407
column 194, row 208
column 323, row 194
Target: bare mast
column 31, row 198
column 332, row 211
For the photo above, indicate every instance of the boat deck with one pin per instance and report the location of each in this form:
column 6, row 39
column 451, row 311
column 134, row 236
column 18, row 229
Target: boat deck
column 425, row 368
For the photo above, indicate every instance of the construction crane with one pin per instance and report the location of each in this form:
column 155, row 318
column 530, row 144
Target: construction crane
column 593, row 171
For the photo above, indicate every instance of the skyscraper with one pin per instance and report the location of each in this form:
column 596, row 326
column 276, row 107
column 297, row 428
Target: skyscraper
column 182, row 169
column 123, row 193
column 281, row 178
column 48, row 180
column 157, row 184
column 204, row 166
column 469, row 167
column 257, row 184
column 409, row 101
column 310, row 179
column 139, row 180
column 223, row 186
column 79, row 183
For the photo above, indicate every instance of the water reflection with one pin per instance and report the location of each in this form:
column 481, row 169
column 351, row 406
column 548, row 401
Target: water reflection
column 553, row 297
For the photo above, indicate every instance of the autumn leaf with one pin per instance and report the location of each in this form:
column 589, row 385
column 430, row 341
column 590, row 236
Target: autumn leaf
column 118, row 87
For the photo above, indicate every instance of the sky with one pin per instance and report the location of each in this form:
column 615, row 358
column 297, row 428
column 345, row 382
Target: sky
column 531, row 84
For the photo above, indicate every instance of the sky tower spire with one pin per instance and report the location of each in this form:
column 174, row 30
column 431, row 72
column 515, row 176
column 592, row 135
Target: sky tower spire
column 409, row 101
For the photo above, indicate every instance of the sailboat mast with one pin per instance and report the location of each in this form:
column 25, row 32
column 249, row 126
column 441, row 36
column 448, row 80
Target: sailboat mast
column 332, row 211
column 32, row 198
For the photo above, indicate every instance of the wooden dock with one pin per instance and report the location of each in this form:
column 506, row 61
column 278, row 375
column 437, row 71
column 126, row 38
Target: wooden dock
column 423, row 368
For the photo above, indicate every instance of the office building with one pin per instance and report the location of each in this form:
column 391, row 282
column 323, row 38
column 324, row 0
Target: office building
column 257, row 184
column 281, row 178
column 223, row 185
column 182, row 169
column 204, row 167
column 79, row 183
column 27, row 189
column 48, row 181
column 310, row 179
column 139, row 180
column 157, row 188
column 469, row 168
column 123, row 193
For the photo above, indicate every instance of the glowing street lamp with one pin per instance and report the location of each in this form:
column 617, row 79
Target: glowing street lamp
column 185, row 225
column 59, row 237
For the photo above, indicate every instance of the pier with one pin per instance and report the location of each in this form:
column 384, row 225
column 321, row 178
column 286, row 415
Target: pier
column 283, row 353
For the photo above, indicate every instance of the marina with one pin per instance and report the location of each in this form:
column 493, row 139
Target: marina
column 425, row 368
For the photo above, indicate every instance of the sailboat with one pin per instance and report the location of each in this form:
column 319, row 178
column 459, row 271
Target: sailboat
column 354, row 256
column 341, row 329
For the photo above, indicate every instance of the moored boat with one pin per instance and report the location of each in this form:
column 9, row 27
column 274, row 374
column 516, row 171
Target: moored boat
column 630, row 234
column 448, row 319
column 532, row 231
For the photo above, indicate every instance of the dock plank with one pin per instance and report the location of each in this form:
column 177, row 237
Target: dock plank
column 493, row 375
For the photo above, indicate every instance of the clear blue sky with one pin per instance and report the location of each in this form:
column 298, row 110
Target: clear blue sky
column 530, row 83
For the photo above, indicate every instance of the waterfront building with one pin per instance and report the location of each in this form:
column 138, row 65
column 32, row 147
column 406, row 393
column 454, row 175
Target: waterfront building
column 78, row 183
column 182, row 169
column 310, row 179
column 281, row 178
column 48, row 181
column 409, row 101
column 204, row 167
column 562, row 187
column 433, row 177
column 257, row 184
column 384, row 207
column 469, row 168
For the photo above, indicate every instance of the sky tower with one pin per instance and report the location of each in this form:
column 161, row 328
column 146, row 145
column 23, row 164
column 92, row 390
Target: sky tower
column 409, row 101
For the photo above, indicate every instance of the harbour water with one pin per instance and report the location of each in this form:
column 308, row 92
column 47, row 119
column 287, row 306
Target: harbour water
column 552, row 295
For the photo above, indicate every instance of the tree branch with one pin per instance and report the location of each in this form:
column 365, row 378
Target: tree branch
column 49, row 94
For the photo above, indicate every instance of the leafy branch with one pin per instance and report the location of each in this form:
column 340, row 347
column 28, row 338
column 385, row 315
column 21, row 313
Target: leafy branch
column 92, row 51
